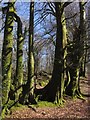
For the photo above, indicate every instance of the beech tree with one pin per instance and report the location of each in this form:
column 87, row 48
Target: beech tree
column 7, row 55
column 64, row 53
column 28, row 90
column 53, row 91
column 82, row 36
column 76, row 58
column 19, row 62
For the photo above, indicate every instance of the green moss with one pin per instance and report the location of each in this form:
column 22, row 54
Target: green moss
column 45, row 104
column 7, row 55
column 19, row 67
column 44, row 82
column 31, row 53
column 18, row 107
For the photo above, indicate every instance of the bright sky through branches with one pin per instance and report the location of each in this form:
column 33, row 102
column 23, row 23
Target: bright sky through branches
column 46, row 0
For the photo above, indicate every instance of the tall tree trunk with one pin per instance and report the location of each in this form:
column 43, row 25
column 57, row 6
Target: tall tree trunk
column 82, row 36
column 53, row 91
column 62, row 41
column 28, row 90
column 30, row 81
column 66, row 75
column 77, row 57
column 7, row 55
column 19, row 62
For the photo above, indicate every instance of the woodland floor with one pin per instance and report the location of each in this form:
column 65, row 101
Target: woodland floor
column 72, row 109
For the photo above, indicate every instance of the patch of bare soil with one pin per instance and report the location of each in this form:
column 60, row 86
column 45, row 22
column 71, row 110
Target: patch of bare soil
column 71, row 109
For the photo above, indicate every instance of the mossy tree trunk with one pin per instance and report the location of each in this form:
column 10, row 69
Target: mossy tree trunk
column 66, row 75
column 73, row 89
column 30, row 82
column 19, row 62
column 61, row 39
column 28, row 90
column 77, row 56
column 7, row 55
column 82, row 36
column 74, row 59
column 53, row 91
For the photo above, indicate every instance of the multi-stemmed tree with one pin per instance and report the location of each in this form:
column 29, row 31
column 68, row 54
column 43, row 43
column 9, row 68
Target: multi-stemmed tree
column 53, row 91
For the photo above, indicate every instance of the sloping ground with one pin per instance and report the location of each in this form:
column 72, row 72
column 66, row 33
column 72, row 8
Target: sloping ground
column 71, row 109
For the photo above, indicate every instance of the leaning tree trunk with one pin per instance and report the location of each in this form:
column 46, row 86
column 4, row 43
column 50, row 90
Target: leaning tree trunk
column 7, row 56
